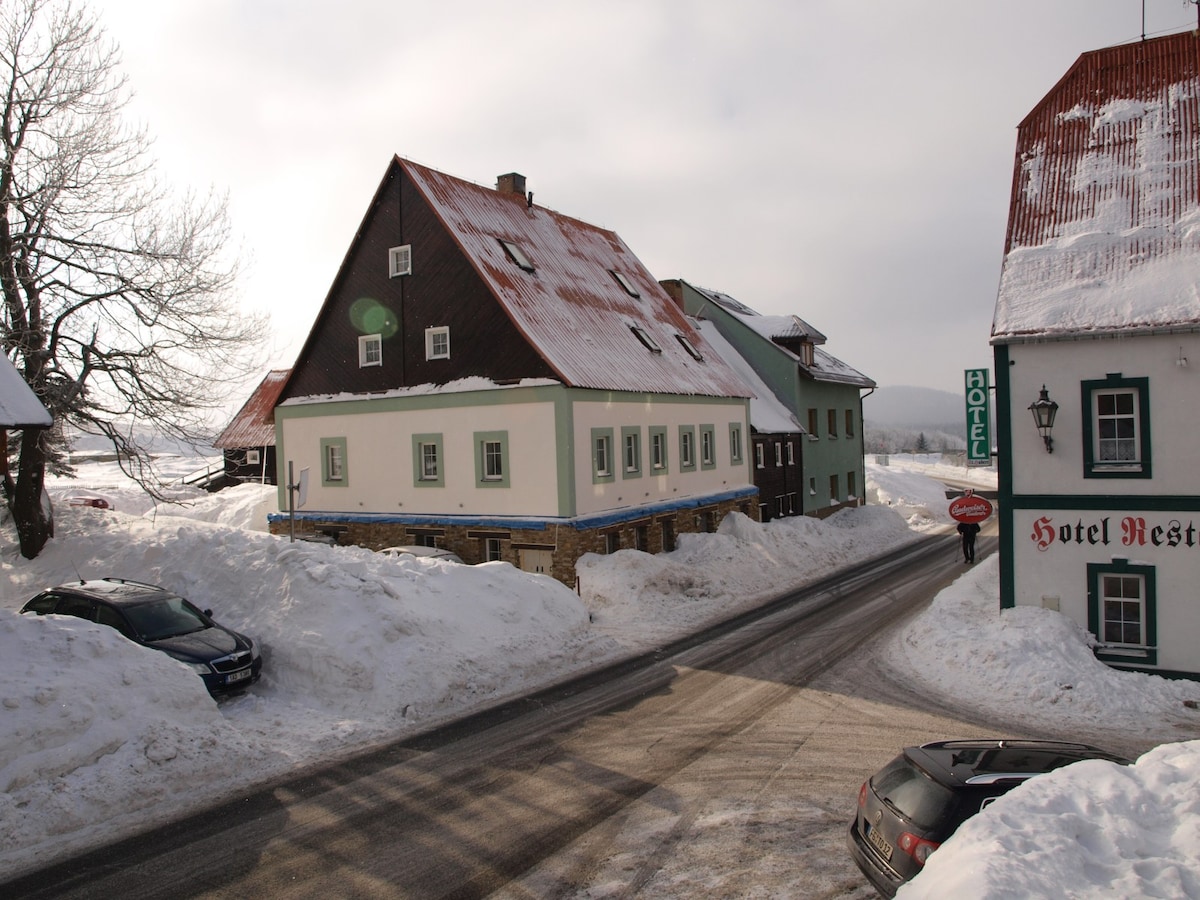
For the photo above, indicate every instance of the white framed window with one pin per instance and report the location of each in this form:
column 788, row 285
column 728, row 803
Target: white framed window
column 437, row 342
column 658, row 449
column 400, row 261
column 429, row 462
column 760, row 455
column 687, row 447
column 491, row 455
column 602, row 468
column 791, row 454
column 735, row 443
column 779, row 453
column 632, row 440
column 708, row 446
column 252, row 458
column 370, row 350
column 333, row 462
column 1121, row 610
column 1116, row 440
column 493, row 549
column 493, row 461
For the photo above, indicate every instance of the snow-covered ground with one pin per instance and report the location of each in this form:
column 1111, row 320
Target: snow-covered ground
column 102, row 737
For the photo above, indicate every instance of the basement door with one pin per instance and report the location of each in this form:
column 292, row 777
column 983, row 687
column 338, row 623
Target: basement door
column 540, row 561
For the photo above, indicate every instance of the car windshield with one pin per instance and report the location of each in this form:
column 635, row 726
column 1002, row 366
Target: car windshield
column 164, row 617
column 912, row 794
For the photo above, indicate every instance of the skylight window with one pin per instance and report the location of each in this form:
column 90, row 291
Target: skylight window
column 647, row 341
column 625, row 283
column 689, row 347
column 516, row 254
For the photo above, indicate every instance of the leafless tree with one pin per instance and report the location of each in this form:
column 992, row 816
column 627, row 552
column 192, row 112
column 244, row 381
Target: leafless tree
column 118, row 302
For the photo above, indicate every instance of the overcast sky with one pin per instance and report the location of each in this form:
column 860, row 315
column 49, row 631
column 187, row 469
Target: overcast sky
column 846, row 162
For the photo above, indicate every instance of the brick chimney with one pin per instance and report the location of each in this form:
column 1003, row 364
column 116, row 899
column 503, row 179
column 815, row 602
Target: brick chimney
column 512, row 183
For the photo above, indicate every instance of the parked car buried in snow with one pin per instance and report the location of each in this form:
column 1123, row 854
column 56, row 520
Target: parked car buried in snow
column 154, row 617
column 427, row 552
column 914, row 803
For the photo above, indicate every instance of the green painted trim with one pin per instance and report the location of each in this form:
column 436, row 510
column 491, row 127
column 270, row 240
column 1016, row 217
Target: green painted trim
column 710, row 432
column 419, row 479
column 340, row 444
column 1004, row 475
column 486, row 437
column 659, row 431
column 737, row 446
column 1115, row 382
column 1150, row 503
column 1150, row 605
column 627, row 432
column 600, row 476
column 690, row 432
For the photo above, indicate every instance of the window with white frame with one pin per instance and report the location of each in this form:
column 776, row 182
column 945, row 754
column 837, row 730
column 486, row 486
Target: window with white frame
column 427, row 460
column 631, row 439
column 370, row 350
column 687, row 447
column 493, row 549
column 490, row 457
column 658, row 450
column 760, row 455
column 791, row 453
column 252, row 457
column 602, row 461
column 778, row 453
column 735, row 443
column 333, row 462
column 1116, row 440
column 400, row 261
column 708, row 446
column 1121, row 611
column 437, row 342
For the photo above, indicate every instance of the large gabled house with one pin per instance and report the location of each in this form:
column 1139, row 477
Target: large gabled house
column 817, row 468
column 493, row 377
column 1097, row 321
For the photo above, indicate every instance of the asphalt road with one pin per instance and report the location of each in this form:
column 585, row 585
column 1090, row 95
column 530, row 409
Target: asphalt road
column 725, row 765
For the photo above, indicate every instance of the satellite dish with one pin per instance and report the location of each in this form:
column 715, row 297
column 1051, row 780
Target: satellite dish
column 302, row 488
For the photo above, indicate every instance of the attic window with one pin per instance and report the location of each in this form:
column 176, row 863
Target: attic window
column 516, row 254
column 370, row 350
column 647, row 341
column 400, row 261
column 624, row 283
column 689, row 347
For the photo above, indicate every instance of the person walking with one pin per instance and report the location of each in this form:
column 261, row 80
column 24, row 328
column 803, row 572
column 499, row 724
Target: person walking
column 968, row 530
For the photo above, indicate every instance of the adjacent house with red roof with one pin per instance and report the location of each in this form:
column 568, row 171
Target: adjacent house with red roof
column 1098, row 320
column 248, row 442
column 493, row 377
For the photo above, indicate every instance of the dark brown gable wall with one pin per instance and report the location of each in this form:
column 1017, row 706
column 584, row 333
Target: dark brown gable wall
column 443, row 290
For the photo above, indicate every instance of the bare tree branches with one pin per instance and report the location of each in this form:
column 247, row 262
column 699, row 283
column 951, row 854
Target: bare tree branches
column 117, row 296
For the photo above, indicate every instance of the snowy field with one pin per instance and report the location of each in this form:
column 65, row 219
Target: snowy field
column 103, row 738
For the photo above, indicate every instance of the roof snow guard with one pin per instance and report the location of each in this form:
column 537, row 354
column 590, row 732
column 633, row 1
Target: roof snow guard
column 1104, row 219
column 576, row 292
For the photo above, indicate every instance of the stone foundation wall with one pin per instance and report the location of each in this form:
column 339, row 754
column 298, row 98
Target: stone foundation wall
column 562, row 545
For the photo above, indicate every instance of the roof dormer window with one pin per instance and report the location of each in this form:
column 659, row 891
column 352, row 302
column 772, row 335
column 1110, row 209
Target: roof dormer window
column 624, row 282
column 648, row 342
column 689, row 347
column 516, row 254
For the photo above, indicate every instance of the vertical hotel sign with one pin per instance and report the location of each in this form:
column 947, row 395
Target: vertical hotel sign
column 979, row 418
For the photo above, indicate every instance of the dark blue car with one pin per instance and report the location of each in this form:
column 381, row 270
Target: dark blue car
column 154, row 617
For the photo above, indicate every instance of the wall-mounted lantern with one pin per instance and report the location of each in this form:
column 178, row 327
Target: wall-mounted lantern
column 1044, row 410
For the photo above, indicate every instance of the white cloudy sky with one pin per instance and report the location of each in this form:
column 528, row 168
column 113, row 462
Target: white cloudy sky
column 848, row 162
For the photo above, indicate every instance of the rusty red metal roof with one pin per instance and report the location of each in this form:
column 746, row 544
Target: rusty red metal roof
column 254, row 425
column 572, row 307
column 1102, row 231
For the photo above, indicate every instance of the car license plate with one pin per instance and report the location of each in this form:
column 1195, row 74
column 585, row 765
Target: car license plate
column 237, row 676
column 882, row 847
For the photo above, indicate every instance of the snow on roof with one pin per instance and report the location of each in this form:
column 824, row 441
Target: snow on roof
column 19, row 405
column 1104, row 226
column 572, row 307
column 254, row 425
column 825, row 366
column 768, row 415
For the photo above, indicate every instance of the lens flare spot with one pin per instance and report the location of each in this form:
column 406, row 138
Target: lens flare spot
column 369, row 316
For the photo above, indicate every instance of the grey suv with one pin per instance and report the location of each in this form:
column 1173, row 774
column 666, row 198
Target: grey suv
column 154, row 617
column 915, row 802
